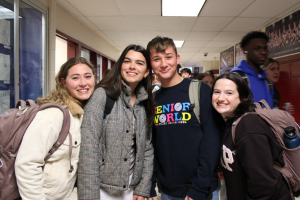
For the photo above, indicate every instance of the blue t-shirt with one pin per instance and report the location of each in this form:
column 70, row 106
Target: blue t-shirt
column 186, row 152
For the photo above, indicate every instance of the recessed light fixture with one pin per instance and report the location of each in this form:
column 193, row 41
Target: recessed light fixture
column 178, row 43
column 188, row 8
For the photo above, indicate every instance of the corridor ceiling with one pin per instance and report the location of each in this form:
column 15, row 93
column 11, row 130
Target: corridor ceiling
column 220, row 24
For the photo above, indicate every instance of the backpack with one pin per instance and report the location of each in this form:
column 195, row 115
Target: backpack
column 13, row 124
column 194, row 95
column 246, row 78
column 277, row 120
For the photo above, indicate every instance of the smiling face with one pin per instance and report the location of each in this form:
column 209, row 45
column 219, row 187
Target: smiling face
column 257, row 52
column 164, row 65
column 134, row 68
column 80, row 81
column 225, row 98
column 273, row 73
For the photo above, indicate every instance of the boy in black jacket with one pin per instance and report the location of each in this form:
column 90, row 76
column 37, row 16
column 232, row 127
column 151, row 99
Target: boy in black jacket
column 186, row 152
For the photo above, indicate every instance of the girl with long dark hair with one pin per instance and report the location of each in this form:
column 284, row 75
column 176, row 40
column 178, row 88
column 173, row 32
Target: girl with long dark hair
column 116, row 157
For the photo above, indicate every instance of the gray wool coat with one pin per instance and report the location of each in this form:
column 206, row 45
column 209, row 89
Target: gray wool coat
column 106, row 144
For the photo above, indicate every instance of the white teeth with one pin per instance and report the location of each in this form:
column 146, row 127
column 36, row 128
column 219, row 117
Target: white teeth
column 132, row 73
column 221, row 104
column 84, row 90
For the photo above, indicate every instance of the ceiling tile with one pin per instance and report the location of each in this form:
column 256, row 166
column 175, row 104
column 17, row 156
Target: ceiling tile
column 202, row 35
column 178, row 23
column 143, row 43
column 119, row 35
column 209, row 49
column 195, row 43
column 189, row 50
column 103, row 35
column 217, row 44
column 175, row 35
column 109, row 23
column 124, row 43
column 68, row 6
column 145, row 35
column 229, row 36
column 245, row 24
column 261, row 8
column 185, row 58
column 142, row 23
column 89, row 23
column 224, row 7
column 141, row 7
column 96, row 7
column 211, row 23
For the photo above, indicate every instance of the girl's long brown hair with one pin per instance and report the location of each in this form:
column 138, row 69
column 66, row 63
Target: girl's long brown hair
column 112, row 82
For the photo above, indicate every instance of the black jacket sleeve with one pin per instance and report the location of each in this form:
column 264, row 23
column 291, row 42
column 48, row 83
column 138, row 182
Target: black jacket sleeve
column 209, row 148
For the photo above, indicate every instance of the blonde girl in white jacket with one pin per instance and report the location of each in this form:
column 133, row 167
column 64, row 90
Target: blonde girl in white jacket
column 40, row 180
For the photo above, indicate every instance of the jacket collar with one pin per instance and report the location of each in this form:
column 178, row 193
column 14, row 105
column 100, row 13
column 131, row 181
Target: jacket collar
column 74, row 108
column 141, row 93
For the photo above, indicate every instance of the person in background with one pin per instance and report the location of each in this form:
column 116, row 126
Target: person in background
column 248, row 163
column 272, row 66
column 207, row 77
column 40, row 180
column 186, row 73
column 186, row 152
column 116, row 158
column 254, row 46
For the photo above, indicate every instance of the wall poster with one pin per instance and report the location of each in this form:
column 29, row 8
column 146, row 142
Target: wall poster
column 226, row 60
column 284, row 36
column 239, row 54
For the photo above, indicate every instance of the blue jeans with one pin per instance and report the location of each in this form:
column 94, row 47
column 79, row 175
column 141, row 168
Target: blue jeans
column 167, row 197
column 215, row 195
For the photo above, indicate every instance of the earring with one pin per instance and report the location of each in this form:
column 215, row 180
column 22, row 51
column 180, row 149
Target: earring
column 245, row 52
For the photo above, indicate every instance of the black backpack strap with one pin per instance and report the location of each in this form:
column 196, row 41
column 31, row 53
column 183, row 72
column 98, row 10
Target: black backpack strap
column 244, row 76
column 269, row 84
column 108, row 106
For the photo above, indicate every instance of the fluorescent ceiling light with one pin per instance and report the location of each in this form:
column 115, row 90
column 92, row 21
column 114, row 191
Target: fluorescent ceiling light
column 190, row 8
column 178, row 43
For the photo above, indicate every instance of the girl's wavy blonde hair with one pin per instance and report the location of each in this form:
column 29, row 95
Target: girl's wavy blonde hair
column 61, row 94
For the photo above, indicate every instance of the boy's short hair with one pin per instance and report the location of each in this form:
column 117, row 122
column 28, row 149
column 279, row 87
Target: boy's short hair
column 186, row 70
column 252, row 35
column 159, row 44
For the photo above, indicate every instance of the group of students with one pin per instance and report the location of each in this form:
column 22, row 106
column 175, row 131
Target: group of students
column 120, row 153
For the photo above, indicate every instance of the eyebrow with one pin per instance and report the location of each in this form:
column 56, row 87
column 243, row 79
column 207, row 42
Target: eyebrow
column 137, row 60
column 79, row 74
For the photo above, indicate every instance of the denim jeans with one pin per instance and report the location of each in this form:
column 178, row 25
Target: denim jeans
column 215, row 195
column 167, row 197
